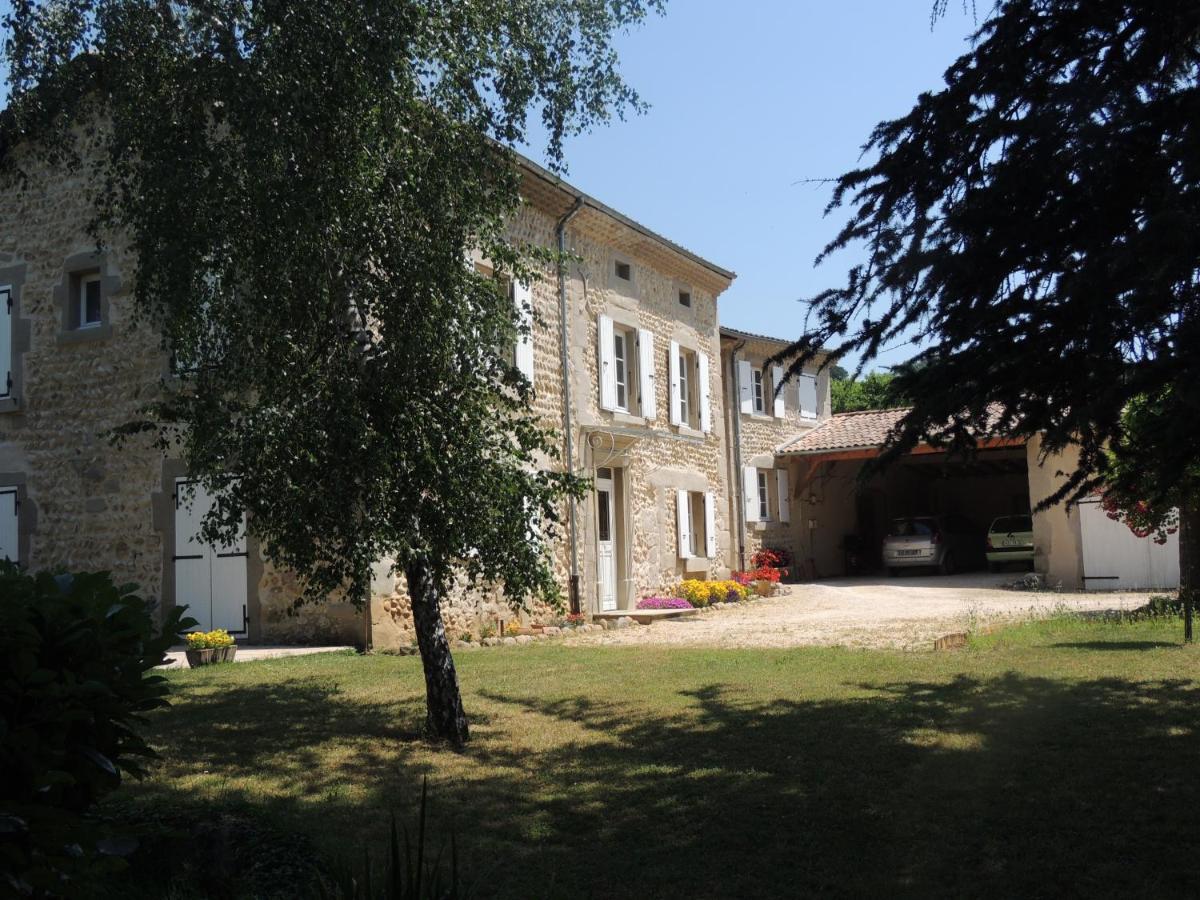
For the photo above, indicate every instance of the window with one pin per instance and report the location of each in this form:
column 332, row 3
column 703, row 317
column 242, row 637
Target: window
column 621, row 368
column 685, row 298
column 626, row 356
column 686, row 361
column 695, row 513
column 9, row 533
column 760, row 405
column 89, row 301
column 83, row 298
column 808, row 396
column 764, row 497
column 623, row 271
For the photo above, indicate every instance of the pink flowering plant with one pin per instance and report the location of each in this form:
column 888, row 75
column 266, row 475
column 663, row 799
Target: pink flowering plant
column 664, row 603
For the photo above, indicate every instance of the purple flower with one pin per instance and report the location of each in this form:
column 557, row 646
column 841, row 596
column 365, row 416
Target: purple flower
column 664, row 603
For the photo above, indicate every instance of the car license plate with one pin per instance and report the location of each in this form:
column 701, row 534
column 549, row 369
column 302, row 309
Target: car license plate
column 908, row 552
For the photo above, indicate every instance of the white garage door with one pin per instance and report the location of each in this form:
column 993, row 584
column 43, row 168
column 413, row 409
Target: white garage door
column 1114, row 558
column 210, row 580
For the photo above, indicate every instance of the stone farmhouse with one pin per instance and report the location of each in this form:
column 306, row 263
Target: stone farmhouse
column 699, row 454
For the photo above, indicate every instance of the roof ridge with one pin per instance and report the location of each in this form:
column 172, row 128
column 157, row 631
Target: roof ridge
column 864, row 412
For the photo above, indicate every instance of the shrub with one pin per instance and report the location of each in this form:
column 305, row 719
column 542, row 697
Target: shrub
column 76, row 653
column 771, row 558
column 664, row 603
column 512, row 628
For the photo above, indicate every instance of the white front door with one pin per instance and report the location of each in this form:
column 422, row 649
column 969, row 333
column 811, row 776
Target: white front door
column 210, row 580
column 606, row 554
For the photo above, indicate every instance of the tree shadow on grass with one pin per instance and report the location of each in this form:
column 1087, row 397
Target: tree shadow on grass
column 1006, row 786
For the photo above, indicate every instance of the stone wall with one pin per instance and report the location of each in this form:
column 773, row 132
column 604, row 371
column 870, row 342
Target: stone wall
column 759, row 436
column 94, row 503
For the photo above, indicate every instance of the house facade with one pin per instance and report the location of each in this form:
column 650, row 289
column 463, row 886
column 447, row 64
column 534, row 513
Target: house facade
column 624, row 358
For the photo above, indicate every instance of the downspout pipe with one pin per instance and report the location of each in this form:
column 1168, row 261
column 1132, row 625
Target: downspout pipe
column 560, row 232
column 735, row 410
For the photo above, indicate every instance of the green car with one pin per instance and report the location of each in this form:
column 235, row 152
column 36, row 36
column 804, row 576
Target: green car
column 1009, row 539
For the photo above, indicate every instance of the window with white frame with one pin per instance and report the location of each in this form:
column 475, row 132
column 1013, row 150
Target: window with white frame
column 691, row 399
column 760, row 405
column 626, row 356
column 766, row 494
column 695, row 515
column 621, row 363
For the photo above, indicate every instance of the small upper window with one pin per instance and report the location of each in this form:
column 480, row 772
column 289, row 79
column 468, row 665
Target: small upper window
column 623, row 271
column 90, row 315
column 685, row 298
column 760, row 405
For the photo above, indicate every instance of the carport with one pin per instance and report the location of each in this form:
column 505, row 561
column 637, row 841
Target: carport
column 844, row 521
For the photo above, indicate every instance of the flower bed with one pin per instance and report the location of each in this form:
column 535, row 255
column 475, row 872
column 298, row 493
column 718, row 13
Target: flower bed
column 763, row 573
column 664, row 603
column 702, row 593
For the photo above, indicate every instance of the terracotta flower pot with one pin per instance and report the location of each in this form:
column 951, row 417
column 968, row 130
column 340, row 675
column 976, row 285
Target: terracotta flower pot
column 200, row 657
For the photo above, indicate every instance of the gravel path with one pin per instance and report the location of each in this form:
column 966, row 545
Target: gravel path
column 905, row 612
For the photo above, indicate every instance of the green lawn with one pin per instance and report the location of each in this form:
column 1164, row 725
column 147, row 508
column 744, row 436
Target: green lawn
column 1046, row 760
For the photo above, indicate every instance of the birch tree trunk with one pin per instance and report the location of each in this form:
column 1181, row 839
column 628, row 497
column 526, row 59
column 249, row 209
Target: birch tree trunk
column 445, row 718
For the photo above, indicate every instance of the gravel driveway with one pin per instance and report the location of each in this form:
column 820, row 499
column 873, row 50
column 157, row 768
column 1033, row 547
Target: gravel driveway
column 906, row 612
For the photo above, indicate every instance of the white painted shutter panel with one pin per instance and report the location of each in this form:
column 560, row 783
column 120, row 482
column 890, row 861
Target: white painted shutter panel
column 646, row 374
column 785, row 498
column 750, row 492
column 683, row 516
column 703, row 393
column 808, row 396
column 5, row 342
column 523, row 301
column 608, row 366
column 673, row 375
column 745, row 379
column 710, row 525
column 776, row 381
column 8, row 526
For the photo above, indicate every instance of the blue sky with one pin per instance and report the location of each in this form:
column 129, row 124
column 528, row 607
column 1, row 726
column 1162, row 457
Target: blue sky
column 748, row 100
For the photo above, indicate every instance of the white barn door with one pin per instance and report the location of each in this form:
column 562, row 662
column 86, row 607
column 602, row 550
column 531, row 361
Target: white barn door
column 210, row 580
column 1115, row 559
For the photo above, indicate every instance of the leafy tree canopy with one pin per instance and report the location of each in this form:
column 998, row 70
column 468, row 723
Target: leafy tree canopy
column 301, row 182
column 875, row 390
column 1037, row 220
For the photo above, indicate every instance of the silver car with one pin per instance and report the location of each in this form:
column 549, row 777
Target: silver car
column 947, row 543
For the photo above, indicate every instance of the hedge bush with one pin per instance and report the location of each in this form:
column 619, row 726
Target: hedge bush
column 76, row 652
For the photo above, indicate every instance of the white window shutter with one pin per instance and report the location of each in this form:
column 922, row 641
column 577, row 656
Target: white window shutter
column 673, row 376
column 8, row 525
column 703, row 392
column 608, row 365
column 710, row 525
column 776, row 382
column 683, row 516
column 808, row 396
column 784, row 498
column 646, row 374
column 523, row 301
column 750, row 492
column 6, row 342
column 745, row 386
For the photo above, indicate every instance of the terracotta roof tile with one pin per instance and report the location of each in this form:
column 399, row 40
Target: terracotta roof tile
column 847, row 431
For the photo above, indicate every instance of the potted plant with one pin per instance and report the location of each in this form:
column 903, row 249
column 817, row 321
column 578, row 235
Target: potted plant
column 207, row 647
